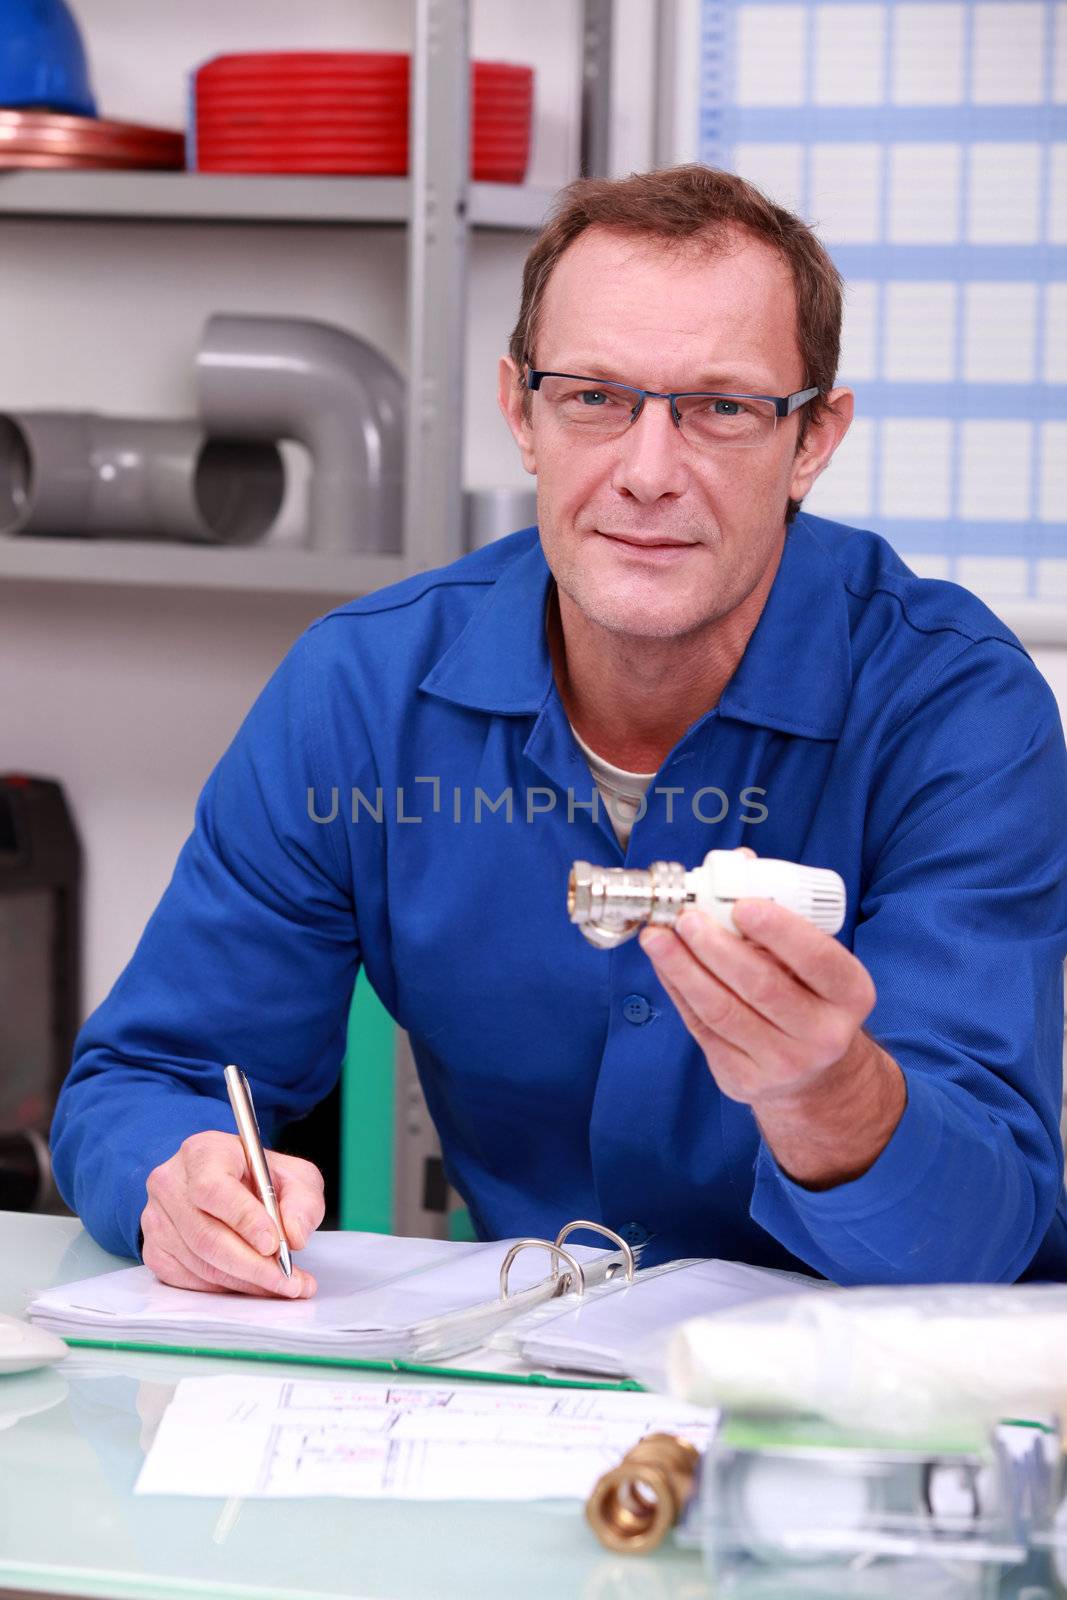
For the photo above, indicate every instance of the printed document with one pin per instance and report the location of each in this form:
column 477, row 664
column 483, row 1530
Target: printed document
column 246, row 1437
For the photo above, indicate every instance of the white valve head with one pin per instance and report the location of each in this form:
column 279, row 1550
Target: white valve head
column 726, row 876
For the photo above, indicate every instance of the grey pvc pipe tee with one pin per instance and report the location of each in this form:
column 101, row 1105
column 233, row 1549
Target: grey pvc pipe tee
column 288, row 378
column 77, row 473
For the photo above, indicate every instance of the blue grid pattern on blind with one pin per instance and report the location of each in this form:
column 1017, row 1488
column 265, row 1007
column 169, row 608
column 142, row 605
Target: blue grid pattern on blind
column 927, row 145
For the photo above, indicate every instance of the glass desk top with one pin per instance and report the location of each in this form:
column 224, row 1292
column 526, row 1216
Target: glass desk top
column 73, row 1436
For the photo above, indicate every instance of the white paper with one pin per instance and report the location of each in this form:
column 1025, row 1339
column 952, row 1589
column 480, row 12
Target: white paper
column 345, row 1265
column 265, row 1437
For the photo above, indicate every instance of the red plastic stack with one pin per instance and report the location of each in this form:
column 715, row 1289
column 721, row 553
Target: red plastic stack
column 344, row 112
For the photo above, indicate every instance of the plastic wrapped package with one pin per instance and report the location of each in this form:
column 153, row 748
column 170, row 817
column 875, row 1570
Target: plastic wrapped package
column 895, row 1360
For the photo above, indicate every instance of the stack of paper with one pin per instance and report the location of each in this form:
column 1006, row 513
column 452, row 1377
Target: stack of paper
column 378, row 1297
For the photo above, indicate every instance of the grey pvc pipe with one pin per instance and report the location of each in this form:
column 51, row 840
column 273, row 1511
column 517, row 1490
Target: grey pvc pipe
column 288, row 378
column 491, row 513
column 77, row 473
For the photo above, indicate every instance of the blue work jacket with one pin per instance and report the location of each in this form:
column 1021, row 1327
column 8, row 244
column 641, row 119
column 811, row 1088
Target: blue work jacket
column 407, row 793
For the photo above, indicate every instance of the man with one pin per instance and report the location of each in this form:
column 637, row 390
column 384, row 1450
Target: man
column 414, row 783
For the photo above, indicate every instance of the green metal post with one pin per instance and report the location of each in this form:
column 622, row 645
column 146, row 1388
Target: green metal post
column 367, row 1094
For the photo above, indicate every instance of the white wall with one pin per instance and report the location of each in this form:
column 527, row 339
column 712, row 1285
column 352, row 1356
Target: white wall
column 129, row 696
column 1053, row 663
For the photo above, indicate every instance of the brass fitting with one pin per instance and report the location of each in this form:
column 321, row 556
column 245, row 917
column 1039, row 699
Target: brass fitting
column 634, row 1506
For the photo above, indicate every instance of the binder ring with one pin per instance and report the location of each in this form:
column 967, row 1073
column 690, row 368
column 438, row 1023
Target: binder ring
column 557, row 1255
column 609, row 1233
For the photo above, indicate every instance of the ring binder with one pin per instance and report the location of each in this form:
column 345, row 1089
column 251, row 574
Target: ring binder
column 609, row 1233
column 418, row 1302
column 567, row 1282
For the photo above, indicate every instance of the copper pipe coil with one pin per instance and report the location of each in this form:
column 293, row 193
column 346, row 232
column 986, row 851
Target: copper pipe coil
column 46, row 139
column 30, row 161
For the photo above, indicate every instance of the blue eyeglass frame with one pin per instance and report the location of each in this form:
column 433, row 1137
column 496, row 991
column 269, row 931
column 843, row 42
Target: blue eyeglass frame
column 784, row 405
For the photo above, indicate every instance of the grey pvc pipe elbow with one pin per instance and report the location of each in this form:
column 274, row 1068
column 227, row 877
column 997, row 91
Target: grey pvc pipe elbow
column 492, row 513
column 288, row 378
column 77, row 473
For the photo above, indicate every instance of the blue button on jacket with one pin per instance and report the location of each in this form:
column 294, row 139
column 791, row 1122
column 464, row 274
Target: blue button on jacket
column 407, row 793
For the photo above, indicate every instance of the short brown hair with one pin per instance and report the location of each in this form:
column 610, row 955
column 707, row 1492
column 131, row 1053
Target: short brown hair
column 676, row 206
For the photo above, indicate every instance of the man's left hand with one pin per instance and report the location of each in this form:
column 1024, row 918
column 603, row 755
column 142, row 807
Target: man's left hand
column 779, row 1015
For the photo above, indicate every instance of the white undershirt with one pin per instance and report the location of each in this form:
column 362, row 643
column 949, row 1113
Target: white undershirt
column 621, row 791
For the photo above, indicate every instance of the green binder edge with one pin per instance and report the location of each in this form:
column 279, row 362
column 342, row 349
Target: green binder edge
column 537, row 1379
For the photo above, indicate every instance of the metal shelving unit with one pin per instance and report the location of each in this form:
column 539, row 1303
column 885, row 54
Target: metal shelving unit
column 207, row 197
column 437, row 205
column 155, row 563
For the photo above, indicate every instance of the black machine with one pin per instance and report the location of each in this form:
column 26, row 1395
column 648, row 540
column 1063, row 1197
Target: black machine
column 40, row 997
column 40, row 978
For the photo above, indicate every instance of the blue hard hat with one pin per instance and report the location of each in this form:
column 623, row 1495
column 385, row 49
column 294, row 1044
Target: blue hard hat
column 42, row 58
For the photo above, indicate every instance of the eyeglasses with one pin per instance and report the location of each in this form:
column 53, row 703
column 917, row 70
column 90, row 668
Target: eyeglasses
column 592, row 408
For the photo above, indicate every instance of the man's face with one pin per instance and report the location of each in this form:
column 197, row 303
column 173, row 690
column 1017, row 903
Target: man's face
column 619, row 306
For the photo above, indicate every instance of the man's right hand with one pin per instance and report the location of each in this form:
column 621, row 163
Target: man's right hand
column 204, row 1226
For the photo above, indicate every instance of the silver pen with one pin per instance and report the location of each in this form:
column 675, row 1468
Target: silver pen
column 244, row 1113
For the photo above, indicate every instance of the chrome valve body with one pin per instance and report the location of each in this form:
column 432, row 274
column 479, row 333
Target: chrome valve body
column 610, row 904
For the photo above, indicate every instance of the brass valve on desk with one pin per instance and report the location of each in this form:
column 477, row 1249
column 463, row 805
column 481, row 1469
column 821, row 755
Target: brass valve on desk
column 634, row 1506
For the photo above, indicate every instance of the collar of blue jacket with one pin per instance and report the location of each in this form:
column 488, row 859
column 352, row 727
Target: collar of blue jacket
column 407, row 794
column 500, row 662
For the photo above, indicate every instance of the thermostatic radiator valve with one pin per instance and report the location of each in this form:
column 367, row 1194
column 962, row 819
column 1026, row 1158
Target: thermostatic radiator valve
column 610, row 904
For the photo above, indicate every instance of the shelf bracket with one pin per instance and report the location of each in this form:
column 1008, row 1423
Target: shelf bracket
column 439, row 145
column 597, row 20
